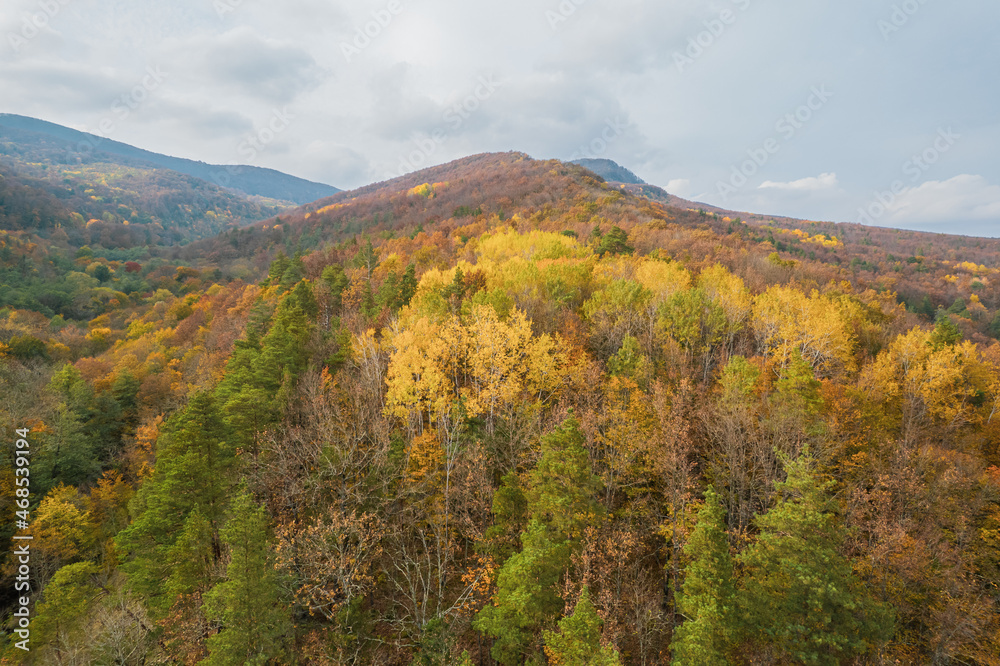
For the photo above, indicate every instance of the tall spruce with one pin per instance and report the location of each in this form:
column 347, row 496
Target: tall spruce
column 248, row 605
column 578, row 641
column 561, row 504
column 708, row 599
column 801, row 597
column 194, row 470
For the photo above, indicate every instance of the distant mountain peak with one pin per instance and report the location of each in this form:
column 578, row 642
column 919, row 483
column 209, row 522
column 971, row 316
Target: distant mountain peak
column 610, row 171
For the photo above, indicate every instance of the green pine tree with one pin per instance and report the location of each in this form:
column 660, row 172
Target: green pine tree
column 278, row 267
column 303, row 296
column 249, row 603
column 801, row 596
column 408, row 285
column 294, row 272
column 190, row 557
column 194, row 469
column 946, row 333
column 285, row 347
column 336, row 281
column 561, row 504
column 614, row 242
column 578, row 641
column 708, row 600
column 60, row 617
column 510, row 512
column 66, row 454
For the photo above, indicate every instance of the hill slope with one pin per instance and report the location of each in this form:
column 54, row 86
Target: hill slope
column 928, row 272
column 457, row 416
column 250, row 180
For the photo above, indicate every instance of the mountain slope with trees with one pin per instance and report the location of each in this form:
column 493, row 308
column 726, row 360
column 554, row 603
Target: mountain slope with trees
column 502, row 412
column 29, row 135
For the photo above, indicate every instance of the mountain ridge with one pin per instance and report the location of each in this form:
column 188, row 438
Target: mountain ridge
column 250, row 180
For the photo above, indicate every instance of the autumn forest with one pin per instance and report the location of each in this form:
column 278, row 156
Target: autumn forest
column 496, row 412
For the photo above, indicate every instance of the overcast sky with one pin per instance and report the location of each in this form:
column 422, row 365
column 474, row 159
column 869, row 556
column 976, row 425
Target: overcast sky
column 810, row 109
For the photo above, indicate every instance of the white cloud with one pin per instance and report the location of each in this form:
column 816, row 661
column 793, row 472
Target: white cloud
column 820, row 183
column 959, row 199
column 680, row 187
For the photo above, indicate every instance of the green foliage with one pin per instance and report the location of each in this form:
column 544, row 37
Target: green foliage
column 925, row 308
column 249, row 604
column 336, row 281
column 578, row 641
column 614, row 242
column 278, row 267
column 191, row 557
column 561, row 504
column 467, row 211
column 629, row 361
column 994, row 327
column 562, row 487
column 797, row 390
column 90, row 427
column 435, row 645
column 366, row 257
column 510, row 514
column 302, row 296
column 293, row 273
column 27, row 348
column 408, row 285
column 67, row 454
column 194, row 470
column 739, row 377
column 102, row 273
column 800, row 595
column 708, row 600
column 264, row 366
column 946, row 333
column 958, row 307
column 691, row 318
column 62, row 613
column 284, row 350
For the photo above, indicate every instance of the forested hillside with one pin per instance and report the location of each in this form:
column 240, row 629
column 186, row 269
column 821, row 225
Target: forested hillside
column 44, row 185
column 501, row 412
column 55, row 144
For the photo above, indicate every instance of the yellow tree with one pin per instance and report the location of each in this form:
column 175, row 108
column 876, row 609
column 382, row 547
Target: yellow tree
column 489, row 364
column 627, row 429
column 932, row 381
column 423, row 370
column 496, row 354
column 786, row 319
column 730, row 293
column 62, row 529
